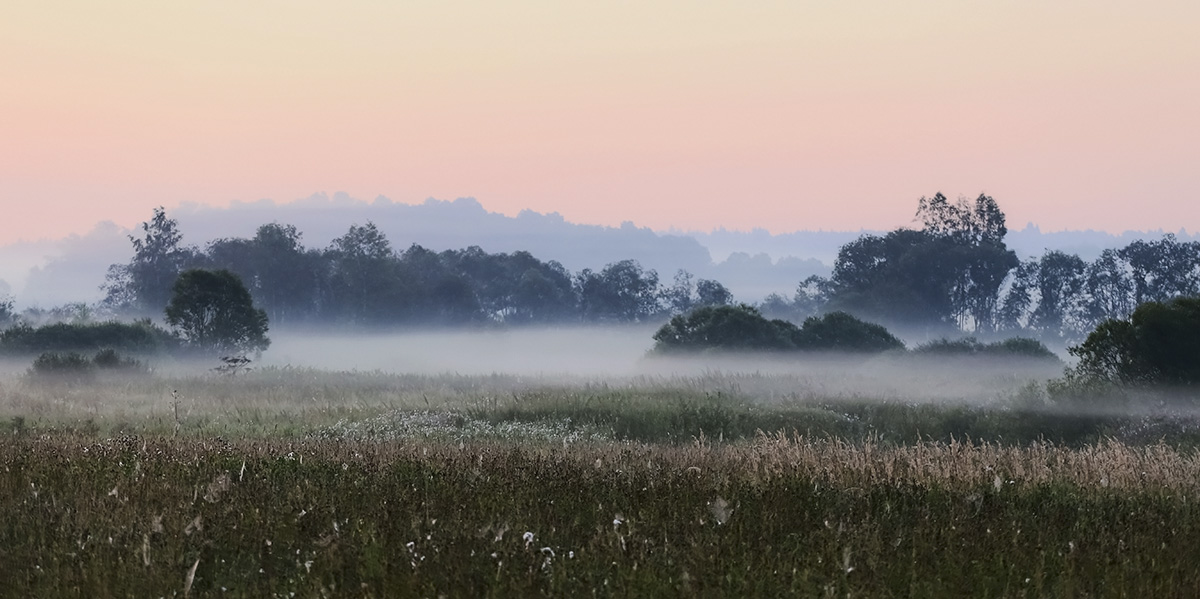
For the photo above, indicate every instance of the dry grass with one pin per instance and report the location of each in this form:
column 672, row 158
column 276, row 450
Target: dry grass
column 380, row 485
column 779, row 515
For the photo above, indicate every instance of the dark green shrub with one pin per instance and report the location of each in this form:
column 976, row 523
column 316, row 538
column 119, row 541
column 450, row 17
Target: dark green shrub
column 141, row 337
column 738, row 327
column 1159, row 344
column 839, row 331
column 69, row 367
column 743, row 327
column 1022, row 347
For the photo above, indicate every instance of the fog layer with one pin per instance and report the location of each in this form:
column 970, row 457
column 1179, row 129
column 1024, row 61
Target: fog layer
column 618, row 354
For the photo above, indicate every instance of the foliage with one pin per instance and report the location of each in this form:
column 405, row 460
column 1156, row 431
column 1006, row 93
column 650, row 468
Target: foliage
column 69, row 366
column 727, row 328
column 811, row 295
column 110, row 359
column 621, row 292
column 1159, row 344
column 7, row 315
column 840, row 331
column 139, row 337
column 77, row 368
column 948, row 273
column 1023, row 347
column 283, row 277
column 952, row 275
column 144, row 284
column 743, row 327
column 712, row 293
column 213, row 311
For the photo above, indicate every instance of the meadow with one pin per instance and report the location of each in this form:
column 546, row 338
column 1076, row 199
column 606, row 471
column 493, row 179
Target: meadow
column 837, row 479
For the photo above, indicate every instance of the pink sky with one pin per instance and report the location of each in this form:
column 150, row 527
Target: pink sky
column 695, row 115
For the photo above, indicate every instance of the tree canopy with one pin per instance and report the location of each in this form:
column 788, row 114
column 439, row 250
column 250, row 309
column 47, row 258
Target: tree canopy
column 1159, row 344
column 212, row 311
column 952, row 273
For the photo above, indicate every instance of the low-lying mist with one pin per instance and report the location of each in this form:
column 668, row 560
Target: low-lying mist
column 579, row 351
column 622, row 355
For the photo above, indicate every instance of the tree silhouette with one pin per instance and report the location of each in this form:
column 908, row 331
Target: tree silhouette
column 212, row 311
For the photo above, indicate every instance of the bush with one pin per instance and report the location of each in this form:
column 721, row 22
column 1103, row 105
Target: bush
column 1022, row 347
column 109, row 359
column 76, row 367
column 141, row 337
column 743, row 327
column 839, row 331
column 738, row 327
column 70, row 367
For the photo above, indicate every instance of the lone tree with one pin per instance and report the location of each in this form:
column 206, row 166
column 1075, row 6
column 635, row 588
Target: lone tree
column 213, row 311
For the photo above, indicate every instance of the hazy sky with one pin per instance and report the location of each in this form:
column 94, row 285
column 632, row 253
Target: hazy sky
column 783, row 115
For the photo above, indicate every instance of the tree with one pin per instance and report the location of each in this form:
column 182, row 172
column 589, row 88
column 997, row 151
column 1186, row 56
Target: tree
column 1159, row 343
column 144, row 284
column 1109, row 289
column 1059, row 283
column 364, row 275
column 1014, row 310
column 712, row 293
column 680, row 296
column 964, row 222
column 1163, row 269
column 905, row 276
column 212, row 310
column 7, row 316
column 622, row 292
column 975, row 257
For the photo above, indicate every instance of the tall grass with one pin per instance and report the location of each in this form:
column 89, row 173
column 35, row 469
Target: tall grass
column 779, row 515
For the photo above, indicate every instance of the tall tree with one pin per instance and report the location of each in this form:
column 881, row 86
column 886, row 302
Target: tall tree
column 977, row 255
column 1059, row 283
column 363, row 279
column 621, row 292
column 144, row 285
column 1108, row 289
column 1163, row 269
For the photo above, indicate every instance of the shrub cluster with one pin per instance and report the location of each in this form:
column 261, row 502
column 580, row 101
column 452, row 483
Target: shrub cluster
column 1016, row 347
column 743, row 327
column 1157, row 347
column 76, row 367
column 140, row 337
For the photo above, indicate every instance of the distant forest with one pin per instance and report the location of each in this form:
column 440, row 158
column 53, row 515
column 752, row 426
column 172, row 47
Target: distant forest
column 953, row 274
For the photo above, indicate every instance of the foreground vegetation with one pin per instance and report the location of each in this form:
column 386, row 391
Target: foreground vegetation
column 777, row 516
column 293, row 482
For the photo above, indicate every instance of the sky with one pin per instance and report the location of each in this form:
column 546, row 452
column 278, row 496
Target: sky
column 688, row 115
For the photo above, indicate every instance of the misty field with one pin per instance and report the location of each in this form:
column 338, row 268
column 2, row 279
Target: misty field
column 843, row 479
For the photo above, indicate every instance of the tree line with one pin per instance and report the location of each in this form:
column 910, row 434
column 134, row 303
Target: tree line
column 953, row 273
column 360, row 279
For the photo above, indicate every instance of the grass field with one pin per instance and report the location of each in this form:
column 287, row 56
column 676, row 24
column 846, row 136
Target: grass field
column 305, row 483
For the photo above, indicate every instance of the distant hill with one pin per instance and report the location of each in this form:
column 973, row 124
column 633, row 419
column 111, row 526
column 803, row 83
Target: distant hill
column 752, row 264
